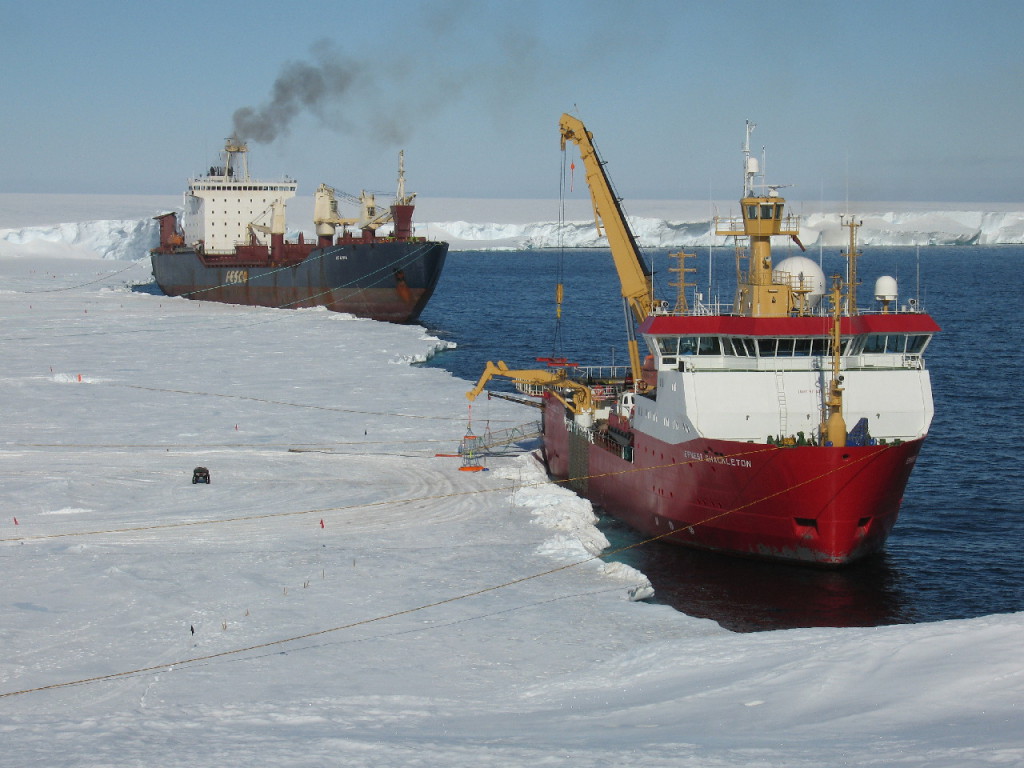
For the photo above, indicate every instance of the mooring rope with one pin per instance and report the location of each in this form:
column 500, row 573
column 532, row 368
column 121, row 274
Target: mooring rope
column 414, row 609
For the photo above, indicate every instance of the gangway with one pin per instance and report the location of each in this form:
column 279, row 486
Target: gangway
column 498, row 441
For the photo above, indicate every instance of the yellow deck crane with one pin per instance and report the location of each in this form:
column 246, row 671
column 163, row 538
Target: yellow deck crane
column 634, row 277
column 634, row 274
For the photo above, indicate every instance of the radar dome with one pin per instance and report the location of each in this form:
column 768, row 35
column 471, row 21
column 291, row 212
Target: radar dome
column 804, row 272
column 885, row 288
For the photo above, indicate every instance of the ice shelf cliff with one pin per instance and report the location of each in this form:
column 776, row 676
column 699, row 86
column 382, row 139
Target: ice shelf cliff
column 129, row 239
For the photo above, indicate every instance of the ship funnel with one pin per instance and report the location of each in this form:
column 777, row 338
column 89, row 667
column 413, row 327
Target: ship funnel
column 401, row 215
column 401, row 210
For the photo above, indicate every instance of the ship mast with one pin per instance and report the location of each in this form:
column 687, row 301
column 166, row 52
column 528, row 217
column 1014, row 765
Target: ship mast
column 759, row 292
column 833, row 426
column 235, row 146
column 682, row 306
column 400, row 197
column 851, row 265
column 750, row 166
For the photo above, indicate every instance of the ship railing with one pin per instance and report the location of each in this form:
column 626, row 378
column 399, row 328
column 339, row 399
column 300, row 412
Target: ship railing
column 889, row 361
column 591, row 373
column 729, row 226
column 915, row 361
column 822, row 310
column 795, row 282
column 526, row 388
column 701, row 307
column 715, row 307
column 735, row 226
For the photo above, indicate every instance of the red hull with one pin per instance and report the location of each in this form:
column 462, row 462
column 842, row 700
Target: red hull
column 812, row 504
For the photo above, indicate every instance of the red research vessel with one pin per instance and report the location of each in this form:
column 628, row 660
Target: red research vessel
column 784, row 425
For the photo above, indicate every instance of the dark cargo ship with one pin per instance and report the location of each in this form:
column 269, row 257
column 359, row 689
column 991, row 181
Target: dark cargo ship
column 230, row 247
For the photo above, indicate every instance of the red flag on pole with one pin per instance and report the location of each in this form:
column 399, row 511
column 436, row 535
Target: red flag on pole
column 321, row 523
column 572, row 175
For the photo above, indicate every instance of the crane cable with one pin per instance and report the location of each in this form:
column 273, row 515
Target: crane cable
column 556, row 342
column 90, row 282
column 380, row 273
column 250, row 398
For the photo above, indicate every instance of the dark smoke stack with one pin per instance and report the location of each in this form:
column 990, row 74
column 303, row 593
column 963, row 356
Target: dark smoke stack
column 312, row 87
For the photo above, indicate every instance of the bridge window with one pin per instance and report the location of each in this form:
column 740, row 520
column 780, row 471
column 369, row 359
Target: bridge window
column 767, row 211
column 894, row 343
column 880, row 343
column 916, row 344
column 691, row 345
column 709, row 345
column 874, row 344
column 764, row 347
column 751, row 211
column 668, row 345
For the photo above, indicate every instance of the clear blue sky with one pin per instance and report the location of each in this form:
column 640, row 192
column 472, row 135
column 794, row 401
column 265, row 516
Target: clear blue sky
column 914, row 101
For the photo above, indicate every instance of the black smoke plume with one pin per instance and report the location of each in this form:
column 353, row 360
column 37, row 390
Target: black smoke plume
column 313, row 87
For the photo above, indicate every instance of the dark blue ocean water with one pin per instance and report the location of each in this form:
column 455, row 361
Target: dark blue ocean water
column 956, row 551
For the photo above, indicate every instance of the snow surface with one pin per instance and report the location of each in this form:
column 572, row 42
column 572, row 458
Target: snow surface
column 435, row 618
column 115, row 227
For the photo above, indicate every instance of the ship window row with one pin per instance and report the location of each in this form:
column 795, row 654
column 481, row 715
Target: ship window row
column 894, row 343
column 214, row 201
column 742, row 346
column 765, row 211
column 244, row 187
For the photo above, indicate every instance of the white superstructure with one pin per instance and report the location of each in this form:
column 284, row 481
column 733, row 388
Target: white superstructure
column 744, row 389
column 227, row 207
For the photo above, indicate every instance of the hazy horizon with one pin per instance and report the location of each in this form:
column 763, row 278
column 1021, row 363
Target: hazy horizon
column 893, row 102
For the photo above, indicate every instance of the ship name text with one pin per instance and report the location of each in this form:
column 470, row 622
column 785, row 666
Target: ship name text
column 729, row 461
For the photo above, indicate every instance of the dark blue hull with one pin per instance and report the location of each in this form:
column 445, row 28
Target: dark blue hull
column 383, row 280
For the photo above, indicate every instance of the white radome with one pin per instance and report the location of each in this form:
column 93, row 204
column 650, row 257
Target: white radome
column 886, row 288
column 798, row 267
